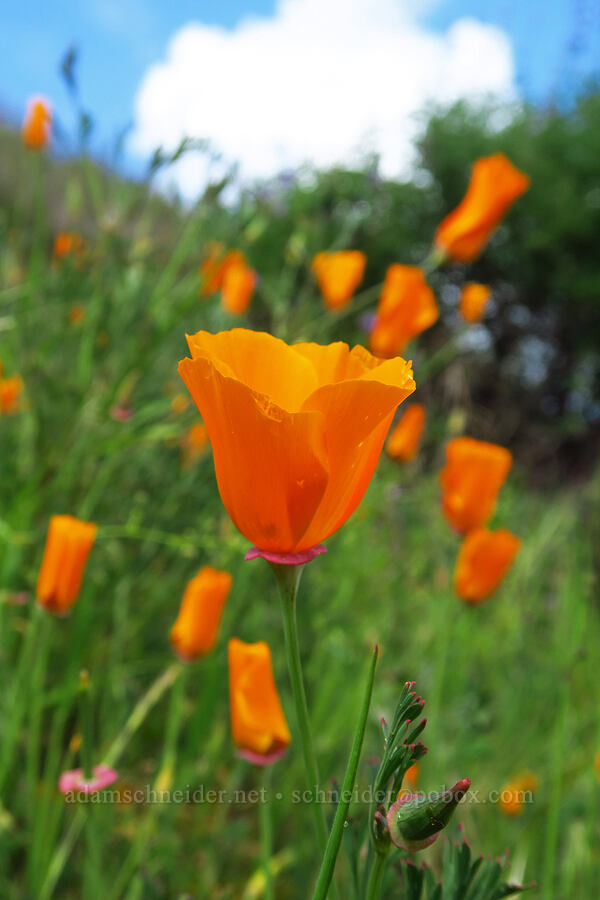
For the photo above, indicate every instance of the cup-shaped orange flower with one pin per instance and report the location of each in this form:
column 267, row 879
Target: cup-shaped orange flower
column 471, row 480
column 338, row 275
column 259, row 727
column 473, row 301
column 195, row 631
column 239, row 281
column 37, row 124
column 494, row 186
column 406, row 308
column 296, row 431
column 10, row 391
column 516, row 793
column 68, row 546
column 483, row 560
column 405, row 438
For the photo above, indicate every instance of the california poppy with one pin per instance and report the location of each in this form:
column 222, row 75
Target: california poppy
column 406, row 308
column 338, row 275
column 405, row 438
column 76, row 314
column 471, row 479
column 258, row 723
column 68, row 546
column 516, row 793
column 194, row 633
column 483, row 560
column 67, row 243
column 296, row 431
column 10, row 390
column 213, row 269
column 473, row 301
column 37, row 124
column 411, row 776
column 494, row 186
column 237, row 288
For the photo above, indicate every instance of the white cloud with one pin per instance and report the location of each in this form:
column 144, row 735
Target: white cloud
column 320, row 81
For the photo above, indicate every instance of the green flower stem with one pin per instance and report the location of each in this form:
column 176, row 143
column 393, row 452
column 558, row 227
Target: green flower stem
column 337, row 831
column 376, row 877
column 266, row 833
column 85, row 726
column 288, row 579
column 156, row 690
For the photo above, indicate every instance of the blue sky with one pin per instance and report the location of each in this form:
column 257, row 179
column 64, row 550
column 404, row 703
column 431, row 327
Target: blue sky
column 554, row 44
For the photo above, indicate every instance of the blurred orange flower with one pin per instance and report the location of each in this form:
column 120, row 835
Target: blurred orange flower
column 296, row 431
column 194, row 633
column 258, row 723
column 494, row 186
column 37, row 124
column 406, row 308
column 67, row 243
column 471, row 479
column 473, row 301
column 10, row 391
column 483, row 560
column 338, row 275
column 180, row 403
column 76, row 314
column 212, row 270
column 405, row 438
column 237, row 288
column 516, row 793
column 194, row 444
column 597, row 766
column 68, row 546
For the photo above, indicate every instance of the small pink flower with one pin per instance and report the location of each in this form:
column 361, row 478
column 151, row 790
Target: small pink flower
column 121, row 413
column 73, row 780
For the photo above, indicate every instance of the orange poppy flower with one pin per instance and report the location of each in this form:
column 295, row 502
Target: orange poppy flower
column 338, row 275
column 473, row 301
column 516, row 793
column 597, row 766
column 76, row 314
column 296, row 431
column 405, row 438
column 406, row 308
column 179, row 403
column 494, row 186
column 194, row 633
column 67, row 243
column 10, row 390
column 37, row 124
column 258, row 723
column 212, row 271
column 68, row 546
column 471, row 479
column 483, row 560
column 238, row 285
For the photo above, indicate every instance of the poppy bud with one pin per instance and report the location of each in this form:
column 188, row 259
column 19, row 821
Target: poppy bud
column 415, row 820
column 37, row 124
column 68, row 546
column 194, row 634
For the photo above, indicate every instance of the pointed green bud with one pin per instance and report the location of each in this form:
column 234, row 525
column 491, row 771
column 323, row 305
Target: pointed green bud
column 415, row 820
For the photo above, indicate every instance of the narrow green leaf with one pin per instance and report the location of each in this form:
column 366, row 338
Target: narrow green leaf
column 337, row 830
